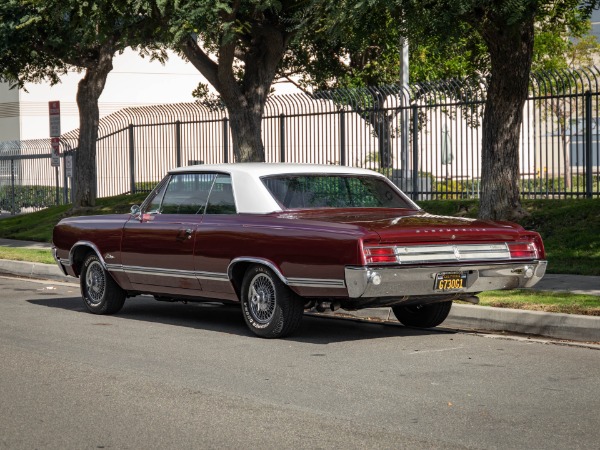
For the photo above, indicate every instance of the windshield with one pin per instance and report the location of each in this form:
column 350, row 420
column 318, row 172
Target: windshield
column 334, row 191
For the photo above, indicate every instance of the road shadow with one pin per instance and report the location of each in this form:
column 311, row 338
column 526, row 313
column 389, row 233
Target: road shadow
column 218, row 317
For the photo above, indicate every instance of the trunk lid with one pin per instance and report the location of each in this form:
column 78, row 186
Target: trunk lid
column 408, row 226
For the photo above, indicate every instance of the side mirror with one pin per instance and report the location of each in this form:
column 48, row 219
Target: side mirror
column 136, row 211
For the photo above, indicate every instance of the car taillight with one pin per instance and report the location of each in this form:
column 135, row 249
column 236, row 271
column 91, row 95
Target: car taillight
column 523, row 250
column 539, row 245
column 380, row 255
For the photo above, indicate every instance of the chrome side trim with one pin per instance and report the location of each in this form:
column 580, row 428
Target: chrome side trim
column 292, row 282
column 163, row 272
column 212, row 276
column 87, row 244
column 218, row 276
column 316, row 282
column 251, row 259
column 400, row 281
column 160, row 272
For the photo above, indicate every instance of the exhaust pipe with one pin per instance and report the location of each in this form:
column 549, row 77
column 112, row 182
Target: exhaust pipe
column 324, row 306
column 471, row 299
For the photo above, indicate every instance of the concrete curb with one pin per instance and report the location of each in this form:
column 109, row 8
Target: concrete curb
column 487, row 318
column 552, row 325
column 34, row 270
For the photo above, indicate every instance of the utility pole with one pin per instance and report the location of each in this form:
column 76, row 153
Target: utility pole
column 405, row 114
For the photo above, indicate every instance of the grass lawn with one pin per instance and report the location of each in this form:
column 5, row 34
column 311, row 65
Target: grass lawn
column 27, row 254
column 37, row 226
column 570, row 229
column 542, row 301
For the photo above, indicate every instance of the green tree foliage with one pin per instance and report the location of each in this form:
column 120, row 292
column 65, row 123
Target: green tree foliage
column 508, row 29
column 43, row 39
column 355, row 44
column 238, row 47
column 493, row 39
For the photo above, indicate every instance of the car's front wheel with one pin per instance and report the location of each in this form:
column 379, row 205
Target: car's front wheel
column 422, row 316
column 101, row 294
column 270, row 308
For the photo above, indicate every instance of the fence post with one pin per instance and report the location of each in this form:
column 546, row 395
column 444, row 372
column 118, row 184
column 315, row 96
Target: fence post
column 73, row 178
column 282, row 137
column 57, row 186
column 342, row 138
column 12, row 184
column 178, row 143
column 225, row 140
column 65, row 179
column 588, row 145
column 415, row 146
column 131, row 160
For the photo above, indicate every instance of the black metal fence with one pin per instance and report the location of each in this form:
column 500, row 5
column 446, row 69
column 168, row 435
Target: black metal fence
column 28, row 181
column 425, row 137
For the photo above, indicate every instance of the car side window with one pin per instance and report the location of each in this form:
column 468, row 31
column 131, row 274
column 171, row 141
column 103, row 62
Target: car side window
column 187, row 193
column 155, row 199
column 221, row 200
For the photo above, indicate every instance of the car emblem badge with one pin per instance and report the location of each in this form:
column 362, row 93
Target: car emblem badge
column 456, row 252
column 109, row 256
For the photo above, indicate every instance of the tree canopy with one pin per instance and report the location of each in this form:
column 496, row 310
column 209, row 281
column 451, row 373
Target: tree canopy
column 242, row 46
column 501, row 40
column 238, row 47
column 43, row 39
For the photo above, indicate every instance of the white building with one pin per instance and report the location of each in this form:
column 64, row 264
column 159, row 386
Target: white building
column 134, row 81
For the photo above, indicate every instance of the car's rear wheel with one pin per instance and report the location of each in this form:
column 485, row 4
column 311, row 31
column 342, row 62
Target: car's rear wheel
column 422, row 316
column 270, row 308
column 101, row 294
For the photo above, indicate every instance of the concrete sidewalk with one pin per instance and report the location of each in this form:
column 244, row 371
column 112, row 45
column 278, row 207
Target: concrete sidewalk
column 472, row 317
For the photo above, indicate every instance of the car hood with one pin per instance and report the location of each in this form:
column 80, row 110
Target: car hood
column 416, row 226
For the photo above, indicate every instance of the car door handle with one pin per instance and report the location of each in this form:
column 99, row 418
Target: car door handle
column 185, row 234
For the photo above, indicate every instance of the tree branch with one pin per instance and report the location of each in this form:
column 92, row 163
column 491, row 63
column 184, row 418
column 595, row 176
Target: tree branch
column 200, row 60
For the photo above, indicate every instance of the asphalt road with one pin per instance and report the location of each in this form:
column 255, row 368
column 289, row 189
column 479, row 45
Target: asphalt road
column 189, row 376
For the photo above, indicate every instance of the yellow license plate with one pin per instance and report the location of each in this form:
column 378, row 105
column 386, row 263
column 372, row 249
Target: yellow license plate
column 450, row 281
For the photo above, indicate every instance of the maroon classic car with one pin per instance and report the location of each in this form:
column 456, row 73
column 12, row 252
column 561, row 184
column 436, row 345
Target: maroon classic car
column 283, row 238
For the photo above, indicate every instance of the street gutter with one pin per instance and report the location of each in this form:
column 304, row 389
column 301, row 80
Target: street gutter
column 465, row 317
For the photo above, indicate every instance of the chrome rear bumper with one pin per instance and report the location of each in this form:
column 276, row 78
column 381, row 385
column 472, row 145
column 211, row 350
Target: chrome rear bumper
column 409, row 281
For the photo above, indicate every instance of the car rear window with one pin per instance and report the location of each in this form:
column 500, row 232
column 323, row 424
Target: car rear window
column 333, row 191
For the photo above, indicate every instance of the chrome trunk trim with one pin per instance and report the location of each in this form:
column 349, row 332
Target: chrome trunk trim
column 422, row 254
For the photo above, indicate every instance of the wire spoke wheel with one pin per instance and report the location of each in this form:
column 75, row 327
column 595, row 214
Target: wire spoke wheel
column 101, row 294
column 95, row 282
column 270, row 308
column 263, row 299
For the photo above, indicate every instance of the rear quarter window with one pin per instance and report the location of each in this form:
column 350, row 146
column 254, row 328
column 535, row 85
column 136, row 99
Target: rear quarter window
column 333, row 191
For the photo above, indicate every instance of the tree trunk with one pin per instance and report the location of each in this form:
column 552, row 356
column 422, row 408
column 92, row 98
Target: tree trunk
column 246, row 133
column 88, row 93
column 511, row 49
column 244, row 98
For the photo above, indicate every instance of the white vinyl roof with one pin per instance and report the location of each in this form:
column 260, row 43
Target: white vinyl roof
column 251, row 195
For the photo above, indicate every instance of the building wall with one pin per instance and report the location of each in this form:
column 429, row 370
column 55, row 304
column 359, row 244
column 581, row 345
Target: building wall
column 9, row 113
column 134, row 81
